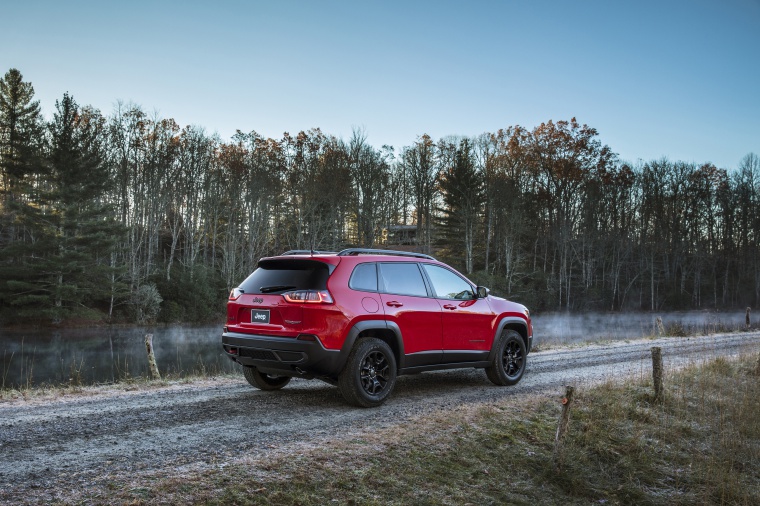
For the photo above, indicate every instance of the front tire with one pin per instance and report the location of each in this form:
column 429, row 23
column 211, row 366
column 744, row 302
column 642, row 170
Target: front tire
column 509, row 360
column 369, row 374
column 264, row 381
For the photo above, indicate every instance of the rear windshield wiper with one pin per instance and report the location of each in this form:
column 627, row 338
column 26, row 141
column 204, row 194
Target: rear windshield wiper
column 275, row 288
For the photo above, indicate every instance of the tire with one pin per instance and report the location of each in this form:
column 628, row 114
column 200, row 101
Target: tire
column 369, row 375
column 509, row 360
column 264, row 381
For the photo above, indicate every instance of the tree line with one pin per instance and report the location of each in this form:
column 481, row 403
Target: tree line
column 129, row 217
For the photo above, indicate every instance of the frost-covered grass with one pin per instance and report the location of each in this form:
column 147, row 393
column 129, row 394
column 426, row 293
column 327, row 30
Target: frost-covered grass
column 26, row 387
column 49, row 391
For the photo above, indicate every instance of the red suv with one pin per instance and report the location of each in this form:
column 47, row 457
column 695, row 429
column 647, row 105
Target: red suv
column 361, row 317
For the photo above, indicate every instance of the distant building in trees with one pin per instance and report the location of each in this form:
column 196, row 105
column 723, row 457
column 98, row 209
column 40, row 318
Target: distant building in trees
column 400, row 234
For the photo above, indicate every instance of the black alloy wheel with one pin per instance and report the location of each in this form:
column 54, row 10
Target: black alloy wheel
column 369, row 375
column 375, row 373
column 513, row 359
column 509, row 359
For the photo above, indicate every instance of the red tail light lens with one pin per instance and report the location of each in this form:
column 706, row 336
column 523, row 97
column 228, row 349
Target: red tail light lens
column 309, row 297
column 235, row 293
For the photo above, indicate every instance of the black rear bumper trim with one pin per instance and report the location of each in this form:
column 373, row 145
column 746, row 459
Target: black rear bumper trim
column 284, row 356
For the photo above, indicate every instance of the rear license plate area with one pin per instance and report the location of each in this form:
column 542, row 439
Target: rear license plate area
column 260, row 316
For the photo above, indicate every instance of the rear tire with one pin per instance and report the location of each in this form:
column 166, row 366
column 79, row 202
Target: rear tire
column 264, row 381
column 509, row 360
column 369, row 375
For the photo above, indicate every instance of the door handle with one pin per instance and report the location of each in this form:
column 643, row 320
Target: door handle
column 393, row 303
column 449, row 306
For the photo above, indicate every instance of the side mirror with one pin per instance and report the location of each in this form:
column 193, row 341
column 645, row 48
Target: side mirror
column 482, row 292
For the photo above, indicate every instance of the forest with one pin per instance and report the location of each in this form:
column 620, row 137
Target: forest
column 129, row 217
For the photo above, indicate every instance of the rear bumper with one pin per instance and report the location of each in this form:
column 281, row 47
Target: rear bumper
column 283, row 356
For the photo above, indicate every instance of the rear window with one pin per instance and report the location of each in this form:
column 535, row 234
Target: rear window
column 275, row 276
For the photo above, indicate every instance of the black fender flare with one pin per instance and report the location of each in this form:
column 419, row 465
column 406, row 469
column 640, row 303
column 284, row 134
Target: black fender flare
column 363, row 325
column 500, row 328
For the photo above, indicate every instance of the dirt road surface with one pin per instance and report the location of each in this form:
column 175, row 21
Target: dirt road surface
column 76, row 440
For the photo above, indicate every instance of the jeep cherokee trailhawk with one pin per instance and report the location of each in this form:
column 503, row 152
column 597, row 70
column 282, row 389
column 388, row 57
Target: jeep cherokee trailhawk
column 361, row 317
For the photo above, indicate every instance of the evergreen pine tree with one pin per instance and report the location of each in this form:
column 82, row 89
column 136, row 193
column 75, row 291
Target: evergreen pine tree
column 21, row 151
column 20, row 133
column 70, row 259
column 462, row 191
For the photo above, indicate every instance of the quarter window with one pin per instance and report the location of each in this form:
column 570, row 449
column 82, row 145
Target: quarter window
column 448, row 285
column 402, row 278
column 364, row 278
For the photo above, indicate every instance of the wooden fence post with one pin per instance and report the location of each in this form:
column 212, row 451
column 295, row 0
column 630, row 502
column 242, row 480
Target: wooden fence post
column 657, row 372
column 746, row 318
column 151, row 357
column 564, row 422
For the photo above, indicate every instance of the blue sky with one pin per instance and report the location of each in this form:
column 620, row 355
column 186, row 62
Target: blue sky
column 679, row 79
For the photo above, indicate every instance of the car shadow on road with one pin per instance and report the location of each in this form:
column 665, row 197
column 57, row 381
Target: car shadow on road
column 315, row 394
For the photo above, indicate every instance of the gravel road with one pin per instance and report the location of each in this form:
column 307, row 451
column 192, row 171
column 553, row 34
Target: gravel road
column 58, row 443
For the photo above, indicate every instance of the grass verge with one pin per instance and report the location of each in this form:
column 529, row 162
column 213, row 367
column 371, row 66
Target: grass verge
column 699, row 445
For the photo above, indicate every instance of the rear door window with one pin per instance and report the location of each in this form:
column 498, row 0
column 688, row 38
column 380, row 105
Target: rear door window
column 402, row 278
column 277, row 276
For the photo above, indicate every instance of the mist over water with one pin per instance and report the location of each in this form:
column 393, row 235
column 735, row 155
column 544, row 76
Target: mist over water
column 105, row 354
column 564, row 328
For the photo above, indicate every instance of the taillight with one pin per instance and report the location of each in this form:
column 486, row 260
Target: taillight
column 309, row 297
column 235, row 293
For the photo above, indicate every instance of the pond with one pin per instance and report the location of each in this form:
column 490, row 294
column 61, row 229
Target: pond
column 109, row 354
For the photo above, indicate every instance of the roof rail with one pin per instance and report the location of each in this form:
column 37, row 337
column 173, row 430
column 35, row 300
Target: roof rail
column 371, row 251
column 306, row 252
